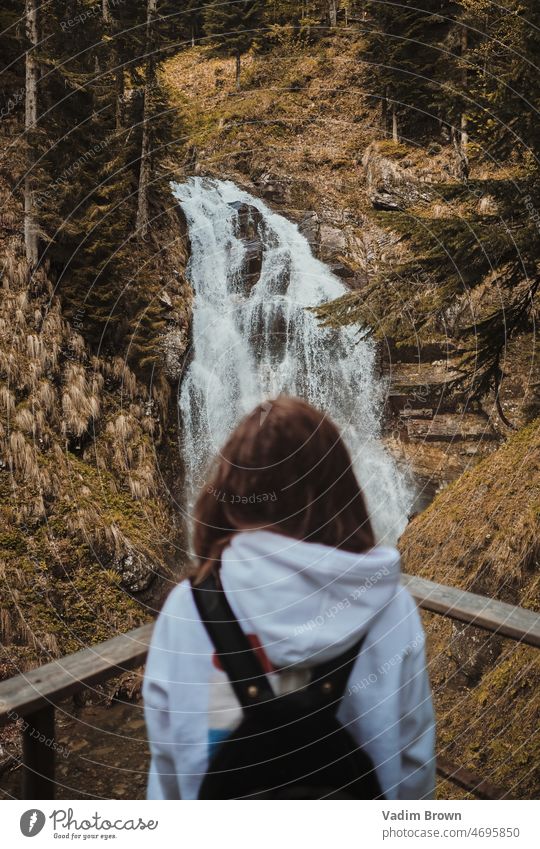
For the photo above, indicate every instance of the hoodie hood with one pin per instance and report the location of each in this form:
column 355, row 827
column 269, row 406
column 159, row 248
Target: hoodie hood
column 304, row 601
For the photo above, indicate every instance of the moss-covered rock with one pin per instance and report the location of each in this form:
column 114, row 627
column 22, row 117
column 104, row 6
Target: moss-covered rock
column 482, row 533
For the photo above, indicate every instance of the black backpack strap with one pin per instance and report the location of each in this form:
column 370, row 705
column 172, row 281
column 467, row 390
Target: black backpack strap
column 331, row 677
column 235, row 652
column 240, row 662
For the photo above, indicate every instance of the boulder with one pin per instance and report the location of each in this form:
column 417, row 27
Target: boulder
column 136, row 571
column 487, row 205
column 341, row 269
column 332, row 243
column 385, row 201
column 474, row 651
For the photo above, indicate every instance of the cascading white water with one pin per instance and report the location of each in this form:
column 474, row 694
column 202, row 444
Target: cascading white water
column 254, row 343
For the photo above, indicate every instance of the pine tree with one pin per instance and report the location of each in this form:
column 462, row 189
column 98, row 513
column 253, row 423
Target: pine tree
column 149, row 84
column 234, row 26
column 30, row 122
column 191, row 19
column 406, row 46
column 503, row 86
column 12, row 61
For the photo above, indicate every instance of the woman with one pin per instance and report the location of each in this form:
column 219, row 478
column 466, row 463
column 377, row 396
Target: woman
column 284, row 521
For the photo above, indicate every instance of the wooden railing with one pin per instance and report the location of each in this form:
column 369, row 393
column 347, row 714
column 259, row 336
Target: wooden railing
column 33, row 696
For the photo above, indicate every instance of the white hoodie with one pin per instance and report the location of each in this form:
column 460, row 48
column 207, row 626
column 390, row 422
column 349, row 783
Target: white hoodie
column 299, row 599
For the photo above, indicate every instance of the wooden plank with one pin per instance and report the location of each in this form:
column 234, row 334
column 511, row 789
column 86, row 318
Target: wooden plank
column 469, row 781
column 38, row 755
column 26, row 693
column 503, row 619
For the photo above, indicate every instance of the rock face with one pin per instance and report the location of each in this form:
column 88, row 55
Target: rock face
column 332, row 242
column 333, row 245
column 247, row 228
column 447, row 427
column 428, row 433
column 309, row 227
column 390, row 185
column 274, row 188
column 175, row 306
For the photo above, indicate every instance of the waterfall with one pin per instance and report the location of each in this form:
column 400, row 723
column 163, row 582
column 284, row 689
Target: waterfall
column 252, row 342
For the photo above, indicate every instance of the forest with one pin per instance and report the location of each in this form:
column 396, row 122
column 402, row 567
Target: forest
column 402, row 141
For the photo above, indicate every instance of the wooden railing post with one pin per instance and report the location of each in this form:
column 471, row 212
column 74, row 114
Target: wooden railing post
column 39, row 754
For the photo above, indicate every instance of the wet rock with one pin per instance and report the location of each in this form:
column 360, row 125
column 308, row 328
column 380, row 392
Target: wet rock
column 340, row 269
column 253, row 262
column 309, row 228
column 269, row 331
column 248, row 222
column 136, row 570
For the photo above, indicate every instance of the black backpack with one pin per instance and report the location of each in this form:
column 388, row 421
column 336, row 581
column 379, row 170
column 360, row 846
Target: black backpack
column 286, row 747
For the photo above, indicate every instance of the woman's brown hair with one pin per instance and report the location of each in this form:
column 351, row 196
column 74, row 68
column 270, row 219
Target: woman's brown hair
column 285, row 468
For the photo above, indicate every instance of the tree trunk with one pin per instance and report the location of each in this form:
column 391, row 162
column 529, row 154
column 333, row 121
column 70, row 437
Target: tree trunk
column 118, row 69
column 464, row 134
column 332, row 12
column 143, row 216
column 395, row 135
column 30, row 120
column 120, row 95
column 238, row 70
column 462, row 159
column 384, row 111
